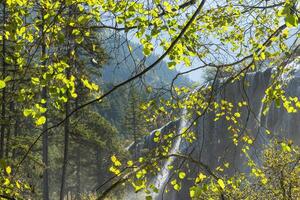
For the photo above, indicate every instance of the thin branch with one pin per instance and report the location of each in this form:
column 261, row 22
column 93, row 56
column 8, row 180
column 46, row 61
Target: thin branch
column 185, row 28
column 103, row 26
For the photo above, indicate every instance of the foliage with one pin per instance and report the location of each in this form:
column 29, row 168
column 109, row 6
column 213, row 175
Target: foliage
column 11, row 187
column 49, row 46
column 276, row 178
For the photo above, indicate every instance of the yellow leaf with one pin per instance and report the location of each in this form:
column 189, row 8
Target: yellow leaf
column 192, row 193
column 2, row 84
column 264, row 181
column 6, row 182
column 115, row 170
column 221, row 183
column 115, row 161
column 250, row 141
column 130, row 163
column 263, row 55
column 8, row 169
column 237, row 114
column 27, row 112
column 177, row 187
column 181, row 175
column 18, row 185
column 40, row 121
column 200, row 178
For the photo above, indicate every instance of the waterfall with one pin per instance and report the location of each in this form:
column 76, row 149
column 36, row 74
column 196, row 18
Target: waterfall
column 161, row 179
column 218, row 142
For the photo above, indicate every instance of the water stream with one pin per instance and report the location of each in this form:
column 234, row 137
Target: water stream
column 161, row 179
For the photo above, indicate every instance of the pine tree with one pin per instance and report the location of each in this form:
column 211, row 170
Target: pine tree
column 134, row 124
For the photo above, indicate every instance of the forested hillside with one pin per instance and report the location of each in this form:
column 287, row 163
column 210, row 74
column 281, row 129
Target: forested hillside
column 121, row 65
column 93, row 105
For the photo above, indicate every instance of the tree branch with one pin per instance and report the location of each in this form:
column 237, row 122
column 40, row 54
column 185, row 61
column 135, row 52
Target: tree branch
column 185, row 28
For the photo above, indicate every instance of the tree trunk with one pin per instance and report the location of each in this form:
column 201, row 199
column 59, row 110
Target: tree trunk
column 66, row 149
column 78, row 156
column 134, row 127
column 45, row 126
column 3, row 113
column 11, row 108
column 67, row 126
column 45, row 153
column 98, row 166
column 16, row 130
column 78, row 169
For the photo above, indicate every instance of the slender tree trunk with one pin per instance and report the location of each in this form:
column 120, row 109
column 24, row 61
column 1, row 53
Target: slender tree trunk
column 78, row 171
column 67, row 125
column 66, row 149
column 11, row 108
column 78, row 157
column 16, row 130
column 98, row 165
column 3, row 113
column 45, row 126
column 45, row 153
column 67, row 109
column 134, row 126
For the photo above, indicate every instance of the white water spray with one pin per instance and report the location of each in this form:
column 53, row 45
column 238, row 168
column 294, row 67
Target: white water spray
column 163, row 175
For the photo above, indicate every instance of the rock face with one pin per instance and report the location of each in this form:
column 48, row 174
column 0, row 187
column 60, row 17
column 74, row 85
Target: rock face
column 214, row 145
column 214, row 138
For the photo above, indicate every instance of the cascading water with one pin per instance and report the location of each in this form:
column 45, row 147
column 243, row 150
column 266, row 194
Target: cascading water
column 215, row 138
column 161, row 179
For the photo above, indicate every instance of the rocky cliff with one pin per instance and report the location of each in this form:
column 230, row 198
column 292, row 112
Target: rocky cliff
column 214, row 144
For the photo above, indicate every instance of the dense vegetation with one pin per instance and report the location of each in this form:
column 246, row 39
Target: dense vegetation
column 82, row 80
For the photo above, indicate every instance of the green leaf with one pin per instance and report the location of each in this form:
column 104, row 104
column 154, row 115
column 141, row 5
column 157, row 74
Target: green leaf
column 171, row 64
column 2, row 84
column 284, row 11
column 40, row 121
column 8, row 78
column 277, row 103
column 181, row 175
column 291, row 20
column 148, row 198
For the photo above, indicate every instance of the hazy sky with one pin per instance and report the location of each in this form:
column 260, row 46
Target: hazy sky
column 195, row 75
